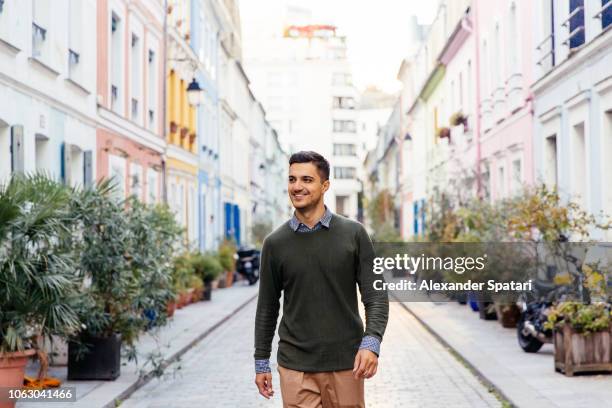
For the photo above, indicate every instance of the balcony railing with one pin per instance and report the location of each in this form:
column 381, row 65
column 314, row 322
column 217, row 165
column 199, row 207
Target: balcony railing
column 579, row 28
column 514, row 85
column 600, row 15
column 546, row 52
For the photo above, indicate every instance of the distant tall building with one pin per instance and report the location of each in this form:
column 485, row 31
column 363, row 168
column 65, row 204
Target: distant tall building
column 302, row 76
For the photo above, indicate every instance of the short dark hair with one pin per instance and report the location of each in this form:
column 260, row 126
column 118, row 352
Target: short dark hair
column 314, row 158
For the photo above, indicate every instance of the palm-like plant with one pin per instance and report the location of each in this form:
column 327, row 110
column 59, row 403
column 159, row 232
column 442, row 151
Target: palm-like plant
column 37, row 281
column 102, row 243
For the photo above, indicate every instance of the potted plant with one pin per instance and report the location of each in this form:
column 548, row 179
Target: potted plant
column 36, row 271
column 458, row 118
column 182, row 272
column 582, row 336
column 208, row 268
column 443, row 133
column 154, row 233
column 226, row 253
column 107, row 306
column 197, row 285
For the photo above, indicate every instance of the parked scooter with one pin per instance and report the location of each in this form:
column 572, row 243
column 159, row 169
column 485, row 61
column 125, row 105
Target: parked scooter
column 535, row 309
column 534, row 313
column 247, row 264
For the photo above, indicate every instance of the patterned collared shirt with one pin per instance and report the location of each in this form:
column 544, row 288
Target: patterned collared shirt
column 368, row 342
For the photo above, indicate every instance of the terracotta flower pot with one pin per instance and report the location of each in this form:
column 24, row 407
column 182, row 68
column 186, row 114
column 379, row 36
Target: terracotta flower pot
column 12, row 370
column 170, row 308
column 229, row 278
column 190, row 292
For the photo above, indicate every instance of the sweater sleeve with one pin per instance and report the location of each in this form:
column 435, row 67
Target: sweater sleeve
column 268, row 303
column 375, row 302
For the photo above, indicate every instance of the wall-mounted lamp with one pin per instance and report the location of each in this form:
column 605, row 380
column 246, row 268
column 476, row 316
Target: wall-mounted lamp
column 194, row 93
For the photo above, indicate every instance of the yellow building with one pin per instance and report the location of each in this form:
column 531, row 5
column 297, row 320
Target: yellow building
column 182, row 150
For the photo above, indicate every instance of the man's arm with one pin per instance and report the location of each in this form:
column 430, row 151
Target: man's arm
column 266, row 317
column 376, row 304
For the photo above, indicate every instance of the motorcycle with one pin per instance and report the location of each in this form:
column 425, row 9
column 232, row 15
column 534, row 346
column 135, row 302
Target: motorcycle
column 247, row 264
column 531, row 333
column 534, row 313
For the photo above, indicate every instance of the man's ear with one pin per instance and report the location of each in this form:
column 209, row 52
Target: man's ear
column 326, row 185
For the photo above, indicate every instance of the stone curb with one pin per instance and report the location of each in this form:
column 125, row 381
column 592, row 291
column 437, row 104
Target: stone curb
column 473, row 369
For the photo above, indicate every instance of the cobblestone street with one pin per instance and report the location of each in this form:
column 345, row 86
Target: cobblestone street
column 414, row 371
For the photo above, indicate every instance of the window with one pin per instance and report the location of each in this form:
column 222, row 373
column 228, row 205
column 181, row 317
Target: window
column 39, row 35
column 576, row 24
column 136, row 180
column 516, row 175
column 117, row 172
column 341, row 78
column 116, row 63
column 345, row 149
column 136, row 76
column 348, row 126
column 152, row 185
column 578, row 163
column 501, row 182
column 343, row 102
column 344, row 172
column 40, row 25
column 513, row 33
column 341, row 205
column 152, row 91
column 495, row 62
column 75, row 33
column 44, row 154
column 605, row 13
column 551, row 160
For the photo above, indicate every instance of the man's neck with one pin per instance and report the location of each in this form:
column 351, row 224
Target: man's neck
column 311, row 215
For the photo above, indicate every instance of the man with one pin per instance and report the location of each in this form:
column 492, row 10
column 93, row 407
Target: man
column 317, row 259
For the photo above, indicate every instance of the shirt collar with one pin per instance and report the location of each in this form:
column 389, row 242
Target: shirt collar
column 294, row 223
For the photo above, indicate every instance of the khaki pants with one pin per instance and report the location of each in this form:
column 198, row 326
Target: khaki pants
column 333, row 389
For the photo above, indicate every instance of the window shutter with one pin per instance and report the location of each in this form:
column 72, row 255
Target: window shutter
column 87, row 169
column 17, row 150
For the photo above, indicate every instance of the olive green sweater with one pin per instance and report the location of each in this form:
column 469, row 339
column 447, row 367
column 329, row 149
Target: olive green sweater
column 321, row 329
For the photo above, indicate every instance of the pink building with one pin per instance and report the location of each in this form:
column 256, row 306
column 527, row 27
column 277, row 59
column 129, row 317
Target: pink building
column 504, row 56
column 130, row 133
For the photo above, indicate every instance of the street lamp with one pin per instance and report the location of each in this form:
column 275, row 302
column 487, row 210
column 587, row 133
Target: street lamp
column 194, row 93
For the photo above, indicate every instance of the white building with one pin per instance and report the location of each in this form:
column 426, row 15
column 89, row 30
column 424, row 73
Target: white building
column 48, row 88
column 303, row 78
column 573, row 101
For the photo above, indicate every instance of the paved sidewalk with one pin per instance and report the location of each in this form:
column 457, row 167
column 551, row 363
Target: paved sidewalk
column 527, row 380
column 415, row 370
column 187, row 328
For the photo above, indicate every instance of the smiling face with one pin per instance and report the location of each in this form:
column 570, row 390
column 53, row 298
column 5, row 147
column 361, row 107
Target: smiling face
column 306, row 189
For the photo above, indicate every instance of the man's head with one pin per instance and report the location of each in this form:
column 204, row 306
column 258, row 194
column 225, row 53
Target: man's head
column 308, row 179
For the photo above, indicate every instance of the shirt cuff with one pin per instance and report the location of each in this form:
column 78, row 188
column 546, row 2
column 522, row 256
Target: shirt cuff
column 370, row 343
column 262, row 366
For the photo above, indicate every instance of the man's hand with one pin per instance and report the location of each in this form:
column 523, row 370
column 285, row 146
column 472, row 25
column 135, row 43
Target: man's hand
column 366, row 364
column 264, row 384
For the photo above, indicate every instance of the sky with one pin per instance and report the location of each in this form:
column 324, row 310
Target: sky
column 374, row 31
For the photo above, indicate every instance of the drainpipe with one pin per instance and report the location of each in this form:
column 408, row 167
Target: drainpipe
column 164, row 102
column 477, row 105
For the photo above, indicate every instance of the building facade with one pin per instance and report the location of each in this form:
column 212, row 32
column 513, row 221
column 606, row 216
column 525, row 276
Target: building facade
column 130, row 140
column 48, row 87
column 573, row 101
column 302, row 75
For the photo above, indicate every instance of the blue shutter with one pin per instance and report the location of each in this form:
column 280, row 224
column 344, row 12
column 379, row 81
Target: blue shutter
column 228, row 219
column 237, row 224
column 415, row 217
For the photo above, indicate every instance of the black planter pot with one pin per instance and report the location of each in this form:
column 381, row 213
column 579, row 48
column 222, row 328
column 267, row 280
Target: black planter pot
column 207, row 291
column 102, row 361
column 486, row 311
